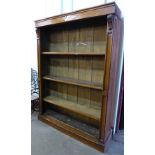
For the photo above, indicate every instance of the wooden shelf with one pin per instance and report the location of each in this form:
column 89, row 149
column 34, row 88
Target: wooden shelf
column 84, row 110
column 73, row 53
column 74, row 82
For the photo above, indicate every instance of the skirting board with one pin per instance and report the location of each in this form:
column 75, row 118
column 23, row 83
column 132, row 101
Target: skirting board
column 75, row 133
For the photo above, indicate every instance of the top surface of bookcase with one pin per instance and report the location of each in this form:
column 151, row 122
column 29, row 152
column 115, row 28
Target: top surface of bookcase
column 101, row 10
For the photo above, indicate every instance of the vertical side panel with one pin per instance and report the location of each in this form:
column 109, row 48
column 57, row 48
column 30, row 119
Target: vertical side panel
column 106, row 78
column 113, row 38
column 41, row 108
column 113, row 73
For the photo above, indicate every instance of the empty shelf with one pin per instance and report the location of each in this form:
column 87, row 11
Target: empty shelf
column 74, row 82
column 73, row 53
column 84, row 110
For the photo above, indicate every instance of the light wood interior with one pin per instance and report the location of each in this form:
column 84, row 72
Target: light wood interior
column 72, row 81
column 76, row 94
column 72, row 53
column 86, row 37
column 82, row 109
column 86, row 71
column 73, row 67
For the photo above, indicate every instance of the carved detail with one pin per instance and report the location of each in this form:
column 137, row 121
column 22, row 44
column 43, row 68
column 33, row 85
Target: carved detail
column 38, row 33
column 110, row 19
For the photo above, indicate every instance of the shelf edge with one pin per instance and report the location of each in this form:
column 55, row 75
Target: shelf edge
column 72, row 83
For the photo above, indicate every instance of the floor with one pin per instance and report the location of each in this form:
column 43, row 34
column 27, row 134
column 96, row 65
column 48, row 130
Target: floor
column 46, row 140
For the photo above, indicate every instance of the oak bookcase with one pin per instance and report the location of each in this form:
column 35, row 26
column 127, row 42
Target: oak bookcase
column 77, row 65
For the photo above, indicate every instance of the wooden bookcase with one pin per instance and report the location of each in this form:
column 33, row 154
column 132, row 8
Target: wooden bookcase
column 77, row 65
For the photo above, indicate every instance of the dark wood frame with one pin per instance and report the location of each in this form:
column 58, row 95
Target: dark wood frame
column 121, row 102
column 112, row 12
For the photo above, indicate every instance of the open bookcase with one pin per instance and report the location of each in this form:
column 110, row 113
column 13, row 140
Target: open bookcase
column 77, row 64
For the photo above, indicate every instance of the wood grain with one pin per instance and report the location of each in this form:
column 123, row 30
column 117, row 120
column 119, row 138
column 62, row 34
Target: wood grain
column 74, row 53
column 100, row 37
column 77, row 66
column 102, row 10
column 73, row 132
column 83, row 96
column 72, row 93
column 73, row 38
column 73, row 67
column 84, row 68
column 97, row 69
column 85, row 43
column 96, row 99
column 77, row 108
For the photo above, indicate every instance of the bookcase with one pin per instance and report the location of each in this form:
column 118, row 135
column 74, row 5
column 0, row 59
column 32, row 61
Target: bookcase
column 77, row 66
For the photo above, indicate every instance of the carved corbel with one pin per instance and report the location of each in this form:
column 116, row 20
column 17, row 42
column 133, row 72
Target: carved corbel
column 110, row 20
column 38, row 33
